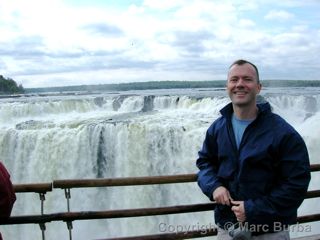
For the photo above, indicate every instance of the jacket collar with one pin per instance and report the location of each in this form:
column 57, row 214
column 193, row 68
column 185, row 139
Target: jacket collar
column 227, row 111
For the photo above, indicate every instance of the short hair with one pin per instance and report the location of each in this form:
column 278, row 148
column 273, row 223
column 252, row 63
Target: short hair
column 241, row 62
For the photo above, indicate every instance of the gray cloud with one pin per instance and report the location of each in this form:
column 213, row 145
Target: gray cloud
column 103, row 29
column 198, row 65
column 23, row 47
column 31, row 47
column 86, row 63
column 191, row 43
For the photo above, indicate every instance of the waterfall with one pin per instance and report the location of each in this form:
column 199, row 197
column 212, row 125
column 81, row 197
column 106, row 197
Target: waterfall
column 123, row 135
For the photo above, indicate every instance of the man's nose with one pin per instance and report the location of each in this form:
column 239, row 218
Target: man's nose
column 240, row 82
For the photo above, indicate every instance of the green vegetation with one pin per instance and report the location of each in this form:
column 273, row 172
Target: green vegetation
column 9, row 86
column 170, row 85
column 132, row 86
column 290, row 83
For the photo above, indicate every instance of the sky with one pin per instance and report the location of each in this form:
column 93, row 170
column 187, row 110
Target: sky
column 46, row 43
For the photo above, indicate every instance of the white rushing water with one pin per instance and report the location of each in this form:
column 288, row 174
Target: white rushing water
column 141, row 133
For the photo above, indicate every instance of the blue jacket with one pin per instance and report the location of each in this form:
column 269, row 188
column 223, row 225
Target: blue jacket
column 270, row 171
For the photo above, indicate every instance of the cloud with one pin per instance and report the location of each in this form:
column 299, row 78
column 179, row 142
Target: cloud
column 279, row 15
column 246, row 23
column 191, row 43
column 103, row 29
column 29, row 46
column 164, row 4
column 153, row 40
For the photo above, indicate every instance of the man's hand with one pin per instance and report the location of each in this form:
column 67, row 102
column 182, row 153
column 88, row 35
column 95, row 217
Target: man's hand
column 238, row 209
column 221, row 195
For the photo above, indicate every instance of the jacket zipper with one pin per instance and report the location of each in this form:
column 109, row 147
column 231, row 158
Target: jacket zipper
column 236, row 151
column 243, row 140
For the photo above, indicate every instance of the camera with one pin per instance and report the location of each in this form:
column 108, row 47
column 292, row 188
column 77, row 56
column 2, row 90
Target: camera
column 239, row 232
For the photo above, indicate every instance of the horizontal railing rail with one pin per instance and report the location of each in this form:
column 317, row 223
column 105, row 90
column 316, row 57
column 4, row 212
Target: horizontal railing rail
column 128, row 181
column 177, row 235
column 33, row 187
column 113, row 182
column 123, row 213
column 315, row 167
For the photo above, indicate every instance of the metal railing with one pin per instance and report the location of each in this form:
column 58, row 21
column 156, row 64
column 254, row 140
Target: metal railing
column 69, row 217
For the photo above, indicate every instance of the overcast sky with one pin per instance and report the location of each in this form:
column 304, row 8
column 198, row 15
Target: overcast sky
column 73, row 42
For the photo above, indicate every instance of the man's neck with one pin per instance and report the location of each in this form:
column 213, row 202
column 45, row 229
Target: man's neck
column 245, row 113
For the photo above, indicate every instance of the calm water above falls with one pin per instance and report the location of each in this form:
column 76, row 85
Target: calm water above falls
column 138, row 133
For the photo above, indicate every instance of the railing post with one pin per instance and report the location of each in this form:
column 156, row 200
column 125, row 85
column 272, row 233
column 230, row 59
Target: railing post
column 68, row 196
column 69, row 226
column 43, row 229
column 69, row 223
column 42, row 225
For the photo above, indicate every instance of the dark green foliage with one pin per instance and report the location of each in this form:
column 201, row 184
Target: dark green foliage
column 9, row 86
column 291, row 83
column 133, row 86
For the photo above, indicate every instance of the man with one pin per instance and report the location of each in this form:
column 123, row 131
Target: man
column 253, row 164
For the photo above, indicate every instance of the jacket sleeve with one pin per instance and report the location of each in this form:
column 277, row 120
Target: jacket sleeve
column 293, row 177
column 208, row 165
column 7, row 194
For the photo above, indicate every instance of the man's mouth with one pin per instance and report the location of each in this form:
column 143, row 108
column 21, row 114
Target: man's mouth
column 240, row 93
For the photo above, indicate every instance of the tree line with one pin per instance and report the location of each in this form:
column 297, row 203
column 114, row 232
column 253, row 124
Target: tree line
column 170, row 85
column 9, row 86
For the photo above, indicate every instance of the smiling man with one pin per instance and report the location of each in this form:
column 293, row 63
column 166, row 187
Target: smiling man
column 253, row 164
column 243, row 86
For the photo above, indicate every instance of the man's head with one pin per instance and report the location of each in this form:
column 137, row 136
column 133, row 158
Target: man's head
column 242, row 62
column 243, row 83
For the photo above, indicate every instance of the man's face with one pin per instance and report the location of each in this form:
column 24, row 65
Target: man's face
column 242, row 85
